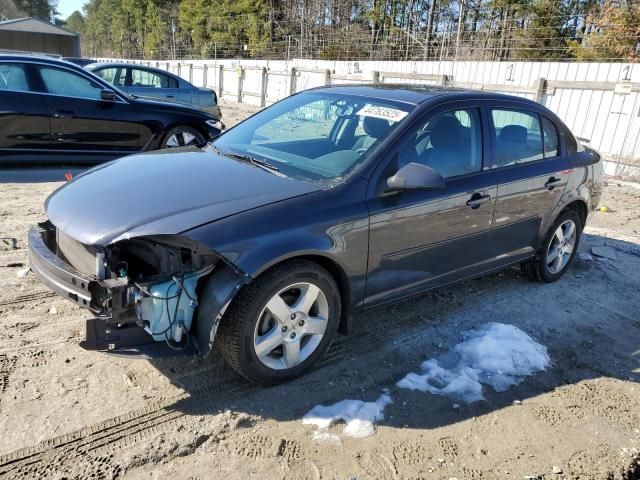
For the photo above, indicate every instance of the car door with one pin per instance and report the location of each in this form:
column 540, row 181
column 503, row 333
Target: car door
column 424, row 238
column 152, row 84
column 532, row 172
column 24, row 118
column 81, row 121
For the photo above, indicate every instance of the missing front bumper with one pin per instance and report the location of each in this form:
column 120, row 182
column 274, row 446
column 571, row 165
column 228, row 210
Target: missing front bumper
column 121, row 320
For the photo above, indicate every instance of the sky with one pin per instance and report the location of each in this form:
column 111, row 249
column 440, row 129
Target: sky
column 67, row 7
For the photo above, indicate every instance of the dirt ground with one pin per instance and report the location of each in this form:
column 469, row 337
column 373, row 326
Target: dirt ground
column 67, row 412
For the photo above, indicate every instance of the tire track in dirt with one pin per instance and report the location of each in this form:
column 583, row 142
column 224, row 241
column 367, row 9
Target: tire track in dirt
column 29, row 297
column 31, row 333
column 7, row 366
column 119, row 432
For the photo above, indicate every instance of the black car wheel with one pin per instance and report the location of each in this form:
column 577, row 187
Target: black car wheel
column 277, row 327
column 181, row 137
column 558, row 249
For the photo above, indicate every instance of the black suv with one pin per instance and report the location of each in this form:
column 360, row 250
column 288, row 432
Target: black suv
column 53, row 110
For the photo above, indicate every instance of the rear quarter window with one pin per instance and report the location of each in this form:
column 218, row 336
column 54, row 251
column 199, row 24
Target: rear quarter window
column 570, row 141
column 551, row 141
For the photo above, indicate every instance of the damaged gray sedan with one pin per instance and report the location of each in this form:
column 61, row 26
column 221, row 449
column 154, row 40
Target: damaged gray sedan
column 336, row 199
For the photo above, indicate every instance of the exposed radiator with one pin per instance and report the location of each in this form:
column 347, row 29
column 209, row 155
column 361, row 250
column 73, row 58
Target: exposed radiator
column 81, row 257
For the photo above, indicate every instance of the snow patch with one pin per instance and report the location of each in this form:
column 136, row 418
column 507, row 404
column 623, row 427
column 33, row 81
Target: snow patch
column 323, row 436
column 359, row 416
column 494, row 354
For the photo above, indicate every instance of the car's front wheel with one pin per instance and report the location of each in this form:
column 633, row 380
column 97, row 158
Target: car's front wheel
column 558, row 249
column 182, row 137
column 277, row 327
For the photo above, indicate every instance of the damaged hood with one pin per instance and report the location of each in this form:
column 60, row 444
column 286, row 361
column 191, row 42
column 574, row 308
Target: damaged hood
column 164, row 192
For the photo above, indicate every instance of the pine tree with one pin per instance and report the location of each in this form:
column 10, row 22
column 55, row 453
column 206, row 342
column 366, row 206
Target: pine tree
column 42, row 9
column 75, row 22
column 544, row 35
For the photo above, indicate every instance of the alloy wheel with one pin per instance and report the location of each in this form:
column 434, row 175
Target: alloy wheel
column 561, row 246
column 291, row 326
column 180, row 139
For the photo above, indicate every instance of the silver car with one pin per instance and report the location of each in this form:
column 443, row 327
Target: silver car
column 151, row 82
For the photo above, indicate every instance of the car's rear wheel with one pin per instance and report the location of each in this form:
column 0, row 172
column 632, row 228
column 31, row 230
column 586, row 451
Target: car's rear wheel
column 277, row 327
column 181, row 137
column 558, row 249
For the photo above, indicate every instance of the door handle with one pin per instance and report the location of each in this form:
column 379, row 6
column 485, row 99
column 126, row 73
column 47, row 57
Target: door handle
column 477, row 199
column 170, row 96
column 552, row 183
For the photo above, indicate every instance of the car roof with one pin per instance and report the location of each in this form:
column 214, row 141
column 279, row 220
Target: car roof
column 30, row 57
column 95, row 66
column 416, row 94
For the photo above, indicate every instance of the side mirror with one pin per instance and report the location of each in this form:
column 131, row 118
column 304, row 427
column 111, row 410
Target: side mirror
column 415, row 176
column 108, row 95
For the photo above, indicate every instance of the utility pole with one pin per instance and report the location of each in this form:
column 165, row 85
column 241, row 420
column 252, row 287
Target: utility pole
column 460, row 24
column 427, row 43
column 173, row 40
column 408, row 32
column 301, row 28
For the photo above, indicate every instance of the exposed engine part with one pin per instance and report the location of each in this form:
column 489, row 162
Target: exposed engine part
column 157, row 256
column 82, row 257
column 165, row 309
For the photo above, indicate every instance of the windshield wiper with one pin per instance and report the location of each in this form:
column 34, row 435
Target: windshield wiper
column 248, row 158
column 254, row 161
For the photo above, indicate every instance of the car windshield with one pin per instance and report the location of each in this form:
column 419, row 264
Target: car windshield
column 314, row 136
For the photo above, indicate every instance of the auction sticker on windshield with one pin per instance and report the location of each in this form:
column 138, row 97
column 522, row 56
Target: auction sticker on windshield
column 386, row 113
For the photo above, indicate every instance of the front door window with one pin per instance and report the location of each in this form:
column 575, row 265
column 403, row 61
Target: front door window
column 13, row 77
column 69, row 84
column 450, row 143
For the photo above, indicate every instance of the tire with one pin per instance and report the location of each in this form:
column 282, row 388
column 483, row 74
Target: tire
column 182, row 136
column 260, row 344
column 546, row 267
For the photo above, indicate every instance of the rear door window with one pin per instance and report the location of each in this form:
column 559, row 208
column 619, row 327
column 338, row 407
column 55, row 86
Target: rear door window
column 13, row 77
column 518, row 137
